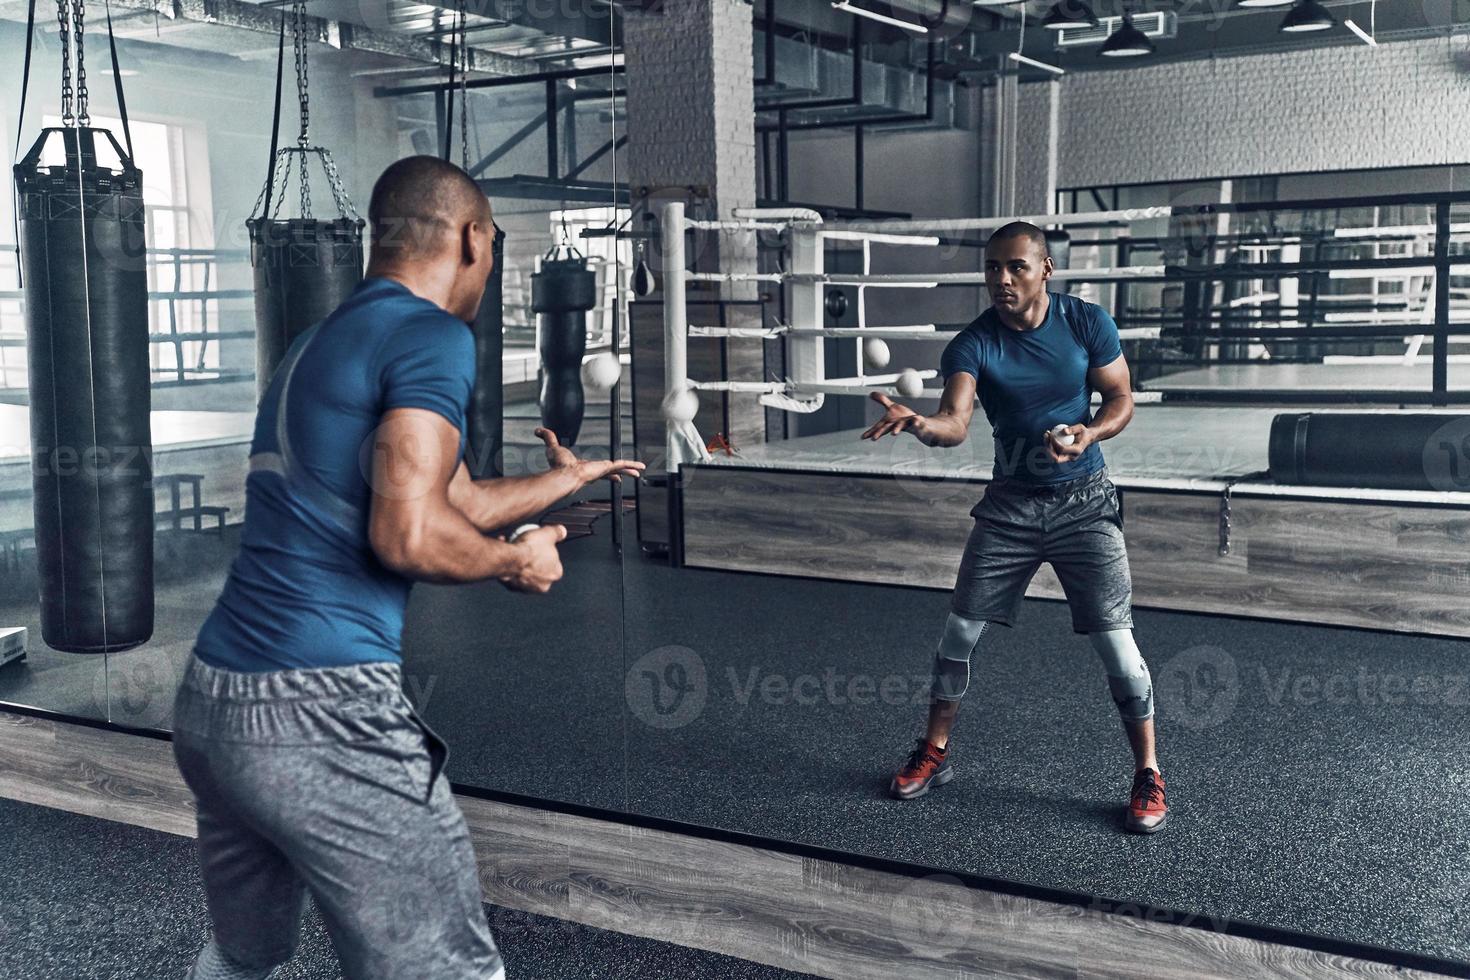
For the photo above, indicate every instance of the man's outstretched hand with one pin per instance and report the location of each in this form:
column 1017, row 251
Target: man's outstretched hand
column 587, row 470
column 540, row 564
column 896, row 418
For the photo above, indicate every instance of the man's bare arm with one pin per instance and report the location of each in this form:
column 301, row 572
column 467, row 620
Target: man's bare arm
column 506, row 501
column 1113, row 381
column 415, row 530
column 949, row 426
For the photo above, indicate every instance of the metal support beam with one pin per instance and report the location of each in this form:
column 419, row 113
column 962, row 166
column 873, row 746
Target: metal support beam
column 334, row 33
column 553, row 161
column 782, row 159
column 596, row 155
column 515, row 139
column 521, row 78
column 1441, row 301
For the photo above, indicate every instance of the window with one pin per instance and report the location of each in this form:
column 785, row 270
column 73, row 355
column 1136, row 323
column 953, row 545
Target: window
column 182, row 269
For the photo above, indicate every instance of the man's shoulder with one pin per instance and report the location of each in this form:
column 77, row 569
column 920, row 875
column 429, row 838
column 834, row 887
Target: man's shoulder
column 1080, row 310
column 983, row 325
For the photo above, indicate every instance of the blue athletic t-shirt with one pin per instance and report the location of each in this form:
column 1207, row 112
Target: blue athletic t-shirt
column 306, row 589
column 1029, row 381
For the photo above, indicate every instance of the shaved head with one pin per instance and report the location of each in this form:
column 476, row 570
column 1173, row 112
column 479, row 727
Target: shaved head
column 418, row 207
column 433, row 232
column 1021, row 229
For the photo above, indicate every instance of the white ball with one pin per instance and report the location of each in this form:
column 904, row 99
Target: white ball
column 1061, row 435
column 910, row 385
column 875, row 352
column 681, row 405
column 600, row 372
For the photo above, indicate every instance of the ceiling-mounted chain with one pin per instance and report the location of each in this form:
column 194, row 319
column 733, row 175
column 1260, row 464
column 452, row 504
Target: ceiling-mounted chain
column 298, row 157
column 78, row 13
column 63, row 20
column 298, row 41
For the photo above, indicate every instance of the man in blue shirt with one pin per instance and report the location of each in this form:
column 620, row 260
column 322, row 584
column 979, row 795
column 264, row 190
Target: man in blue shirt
column 1034, row 358
column 312, row 771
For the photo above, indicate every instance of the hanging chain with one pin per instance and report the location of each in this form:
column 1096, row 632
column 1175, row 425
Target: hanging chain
column 298, row 39
column 67, row 117
column 79, row 11
column 464, row 92
column 339, row 193
column 285, row 183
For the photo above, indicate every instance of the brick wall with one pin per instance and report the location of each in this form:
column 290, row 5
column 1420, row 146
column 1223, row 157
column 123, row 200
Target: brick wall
column 691, row 124
column 1400, row 104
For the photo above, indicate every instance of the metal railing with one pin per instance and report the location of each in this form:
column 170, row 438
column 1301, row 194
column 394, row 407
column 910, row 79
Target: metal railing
column 190, row 317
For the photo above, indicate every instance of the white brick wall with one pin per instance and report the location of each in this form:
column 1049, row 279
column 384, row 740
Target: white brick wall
column 691, row 121
column 1036, row 145
column 1339, row 108
column 690, row 99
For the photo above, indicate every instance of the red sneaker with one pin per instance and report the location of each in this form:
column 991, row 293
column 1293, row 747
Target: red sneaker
column 1146, row 807
column 926, row 766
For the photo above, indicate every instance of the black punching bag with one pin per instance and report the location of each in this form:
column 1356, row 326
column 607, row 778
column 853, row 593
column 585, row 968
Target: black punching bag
column 304, row 268
column 487, row 402
column 561, row 294
column 86, row 305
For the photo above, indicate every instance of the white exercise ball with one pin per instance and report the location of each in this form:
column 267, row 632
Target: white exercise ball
column 522, row 530
column 910, row 385
column 600, row 372
column 681, row 405
column 1061, row 435
column 875, row 352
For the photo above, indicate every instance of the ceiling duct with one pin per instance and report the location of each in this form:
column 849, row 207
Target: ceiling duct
column 804, row 73
column 1161, row 24
column 943, row 18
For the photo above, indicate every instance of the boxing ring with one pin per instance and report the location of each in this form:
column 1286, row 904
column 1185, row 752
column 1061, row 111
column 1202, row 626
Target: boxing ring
column 1208, row 528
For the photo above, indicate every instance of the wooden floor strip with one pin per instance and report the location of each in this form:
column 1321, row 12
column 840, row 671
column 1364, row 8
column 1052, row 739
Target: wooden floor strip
column 798, row 913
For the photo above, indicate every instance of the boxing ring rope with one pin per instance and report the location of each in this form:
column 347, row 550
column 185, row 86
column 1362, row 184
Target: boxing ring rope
column 805, row 390
column 921, row 332
column 1079, row 218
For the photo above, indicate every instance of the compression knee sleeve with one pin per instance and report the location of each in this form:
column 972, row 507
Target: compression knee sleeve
column 1128, row 676
column 952, row 661
column 213, row 964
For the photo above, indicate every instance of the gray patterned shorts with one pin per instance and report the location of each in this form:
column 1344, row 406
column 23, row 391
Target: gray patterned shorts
column 1076, row 526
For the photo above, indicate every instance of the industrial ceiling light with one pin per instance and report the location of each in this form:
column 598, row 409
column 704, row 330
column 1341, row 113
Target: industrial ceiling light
column 1307, row 15
column 1127, row 41
column 1363, row 35
column 880, row 18
column 1021, row 59
column 1370, row 36
column 1069, row 14
column 1263, row 3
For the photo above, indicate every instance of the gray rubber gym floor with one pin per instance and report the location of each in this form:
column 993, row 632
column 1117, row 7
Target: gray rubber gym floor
column 1317, row 776
column 88, row 899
